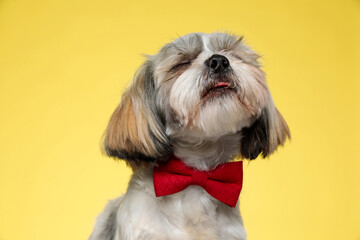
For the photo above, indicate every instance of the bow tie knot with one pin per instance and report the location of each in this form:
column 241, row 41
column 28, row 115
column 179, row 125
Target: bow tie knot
column 199, row 178
column 223, row 183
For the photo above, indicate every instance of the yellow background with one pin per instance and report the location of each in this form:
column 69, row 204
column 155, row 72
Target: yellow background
column 64, row 64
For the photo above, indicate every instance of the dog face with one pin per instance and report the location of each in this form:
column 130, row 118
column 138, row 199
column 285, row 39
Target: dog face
column 200, row 86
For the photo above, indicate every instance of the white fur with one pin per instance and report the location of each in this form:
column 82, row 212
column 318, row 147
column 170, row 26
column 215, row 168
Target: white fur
column 205, row 39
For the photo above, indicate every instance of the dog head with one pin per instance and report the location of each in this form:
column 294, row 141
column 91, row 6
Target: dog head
column 200, row 86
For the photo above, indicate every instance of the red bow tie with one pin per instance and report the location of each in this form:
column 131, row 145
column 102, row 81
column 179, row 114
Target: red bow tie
column 224, row 183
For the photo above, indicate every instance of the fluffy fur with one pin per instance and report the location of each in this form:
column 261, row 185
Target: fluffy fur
column 204, row 98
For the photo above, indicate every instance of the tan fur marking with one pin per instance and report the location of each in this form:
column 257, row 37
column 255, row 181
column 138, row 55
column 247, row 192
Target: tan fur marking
column 127, row 131
column 278, row 128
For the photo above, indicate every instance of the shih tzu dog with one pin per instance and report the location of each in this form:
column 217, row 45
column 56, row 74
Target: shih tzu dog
column 192, row 109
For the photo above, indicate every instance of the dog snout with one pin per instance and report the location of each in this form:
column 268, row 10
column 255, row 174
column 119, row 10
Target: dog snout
column 217, row 63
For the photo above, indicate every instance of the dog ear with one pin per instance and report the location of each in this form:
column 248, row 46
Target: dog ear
column 267, row 132
column 136, row 130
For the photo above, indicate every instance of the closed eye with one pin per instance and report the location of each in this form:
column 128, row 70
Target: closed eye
column 237, row 57
column 179, row 65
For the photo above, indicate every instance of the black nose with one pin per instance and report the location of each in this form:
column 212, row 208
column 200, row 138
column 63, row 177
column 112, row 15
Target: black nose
column 217, row 63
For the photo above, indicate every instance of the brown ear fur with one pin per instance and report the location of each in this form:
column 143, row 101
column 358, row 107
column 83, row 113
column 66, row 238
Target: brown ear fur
column 136, row 131
column 264, row 136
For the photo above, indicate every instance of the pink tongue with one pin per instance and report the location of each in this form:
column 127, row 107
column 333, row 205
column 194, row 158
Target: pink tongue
column 222, row 84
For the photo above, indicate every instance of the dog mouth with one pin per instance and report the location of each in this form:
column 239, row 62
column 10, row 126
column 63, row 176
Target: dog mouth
column 217, row 89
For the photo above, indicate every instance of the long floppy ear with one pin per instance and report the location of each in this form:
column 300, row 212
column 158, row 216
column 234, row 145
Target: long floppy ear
column 264, row 136
column 136, row 130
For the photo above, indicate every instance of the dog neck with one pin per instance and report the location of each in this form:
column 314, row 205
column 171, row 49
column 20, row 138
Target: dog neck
column 206, row 155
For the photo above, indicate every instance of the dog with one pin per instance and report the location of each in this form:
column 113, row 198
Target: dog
column 200, row 103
